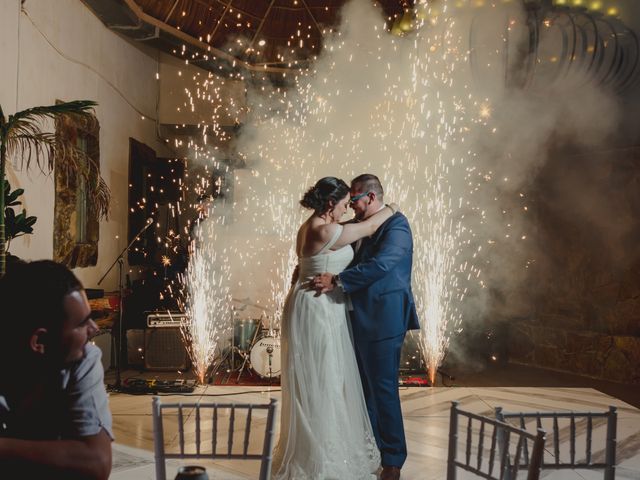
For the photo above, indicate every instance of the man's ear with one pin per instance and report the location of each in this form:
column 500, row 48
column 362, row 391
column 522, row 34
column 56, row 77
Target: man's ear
column 38, row 340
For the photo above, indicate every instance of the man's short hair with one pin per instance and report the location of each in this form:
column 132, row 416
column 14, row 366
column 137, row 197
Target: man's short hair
column 32, row 296
column 368, row 182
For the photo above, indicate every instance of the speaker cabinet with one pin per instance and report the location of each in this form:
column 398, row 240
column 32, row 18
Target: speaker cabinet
column 164, row 350
column 103, row 342
column 135, row 347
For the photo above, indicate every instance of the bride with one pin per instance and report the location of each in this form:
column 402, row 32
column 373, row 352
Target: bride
column 325, row 432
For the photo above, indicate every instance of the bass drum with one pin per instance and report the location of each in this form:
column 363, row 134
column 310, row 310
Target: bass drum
column 265, row 357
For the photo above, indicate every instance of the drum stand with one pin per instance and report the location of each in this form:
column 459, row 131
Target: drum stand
column 245, row 355
column 270, row 353
column 224, row 357
column 230, row 357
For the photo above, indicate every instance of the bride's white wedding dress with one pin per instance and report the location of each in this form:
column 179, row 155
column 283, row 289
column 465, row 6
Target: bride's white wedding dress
column 325, row 430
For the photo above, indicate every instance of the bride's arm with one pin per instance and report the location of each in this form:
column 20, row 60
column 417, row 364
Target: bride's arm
column 355, row 231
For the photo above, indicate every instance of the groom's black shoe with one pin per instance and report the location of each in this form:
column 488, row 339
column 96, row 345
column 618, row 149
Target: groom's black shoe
column 390, row 473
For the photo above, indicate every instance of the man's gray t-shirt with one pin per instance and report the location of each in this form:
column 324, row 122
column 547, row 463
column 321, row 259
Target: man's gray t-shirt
column 86, row 396
column 73, row 405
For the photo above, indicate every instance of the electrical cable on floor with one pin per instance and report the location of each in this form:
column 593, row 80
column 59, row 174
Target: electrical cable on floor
column 141, row 386
column 193, row 394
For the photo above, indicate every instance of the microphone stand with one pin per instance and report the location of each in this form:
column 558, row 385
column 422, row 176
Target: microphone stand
column 120, row 261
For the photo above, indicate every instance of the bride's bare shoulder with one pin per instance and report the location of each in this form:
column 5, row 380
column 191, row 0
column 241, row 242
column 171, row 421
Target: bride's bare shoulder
column 308, row 232
column 322, row 231
column 312, row 235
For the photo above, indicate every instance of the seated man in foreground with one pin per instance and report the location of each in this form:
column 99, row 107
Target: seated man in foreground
column 54, row 412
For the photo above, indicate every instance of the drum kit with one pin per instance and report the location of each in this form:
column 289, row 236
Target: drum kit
column 254, row 347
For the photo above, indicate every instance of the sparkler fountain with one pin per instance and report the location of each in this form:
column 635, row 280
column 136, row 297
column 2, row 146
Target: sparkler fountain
column 399, row 105
column 207, row 297
column 442, row 122
column 387, row 105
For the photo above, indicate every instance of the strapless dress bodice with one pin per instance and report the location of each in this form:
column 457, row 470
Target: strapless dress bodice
column 333, row 261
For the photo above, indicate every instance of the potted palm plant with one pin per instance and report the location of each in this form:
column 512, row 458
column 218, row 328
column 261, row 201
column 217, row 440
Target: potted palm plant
column 15, row 225
column 23, row 139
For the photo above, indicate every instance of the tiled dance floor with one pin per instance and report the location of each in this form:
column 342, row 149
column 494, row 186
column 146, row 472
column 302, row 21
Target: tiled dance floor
column 426, row 417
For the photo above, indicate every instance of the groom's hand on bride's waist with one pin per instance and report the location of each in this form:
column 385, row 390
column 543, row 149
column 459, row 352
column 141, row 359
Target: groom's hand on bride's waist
column 323, row 283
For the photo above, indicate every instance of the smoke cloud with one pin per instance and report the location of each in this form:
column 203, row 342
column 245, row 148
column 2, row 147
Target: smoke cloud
column 458, row 147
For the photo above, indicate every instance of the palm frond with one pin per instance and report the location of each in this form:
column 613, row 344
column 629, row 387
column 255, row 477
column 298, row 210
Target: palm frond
column 75, row 162
column 101, row 199
column 38, row 114
column 32, row 144
column 30, row 122
column 99, row 194
column 25, row 141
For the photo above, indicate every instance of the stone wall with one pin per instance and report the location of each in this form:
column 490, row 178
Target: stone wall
column 592, row 354
column 584, row 287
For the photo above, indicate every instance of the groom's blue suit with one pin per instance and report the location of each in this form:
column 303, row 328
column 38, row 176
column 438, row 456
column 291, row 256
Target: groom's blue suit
column 379, row 283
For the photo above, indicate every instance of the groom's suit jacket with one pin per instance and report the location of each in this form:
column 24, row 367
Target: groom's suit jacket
column 379, row 282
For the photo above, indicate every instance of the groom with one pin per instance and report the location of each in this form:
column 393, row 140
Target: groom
column 379, row 284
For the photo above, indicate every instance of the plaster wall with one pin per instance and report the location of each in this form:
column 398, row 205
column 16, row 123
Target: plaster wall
column 58, row 50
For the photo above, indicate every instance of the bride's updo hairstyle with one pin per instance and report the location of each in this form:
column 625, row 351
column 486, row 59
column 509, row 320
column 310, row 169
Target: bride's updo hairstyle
column 326, row 190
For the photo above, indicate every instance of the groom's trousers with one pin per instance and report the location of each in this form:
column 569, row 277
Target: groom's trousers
column 379, row 364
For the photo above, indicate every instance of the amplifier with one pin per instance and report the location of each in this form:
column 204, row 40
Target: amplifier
column 162, row 320
column 135, row 347
column 164, row 349
column 103, row 341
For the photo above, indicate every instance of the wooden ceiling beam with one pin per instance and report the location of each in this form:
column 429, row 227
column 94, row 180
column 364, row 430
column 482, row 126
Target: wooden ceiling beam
column 226, row 9
column 189, row 39
column 261, row 23
column 225, row 4
column 315, row 22
column 175, row 4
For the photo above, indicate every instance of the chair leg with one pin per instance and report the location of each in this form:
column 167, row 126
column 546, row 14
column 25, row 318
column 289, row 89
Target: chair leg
column 610, row 470
column 158, row 440
column 267, row 451
column 453, row 442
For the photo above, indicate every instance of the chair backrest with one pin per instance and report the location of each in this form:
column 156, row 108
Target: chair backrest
column 202, row 421
column 485, row 435
column 572, row 431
